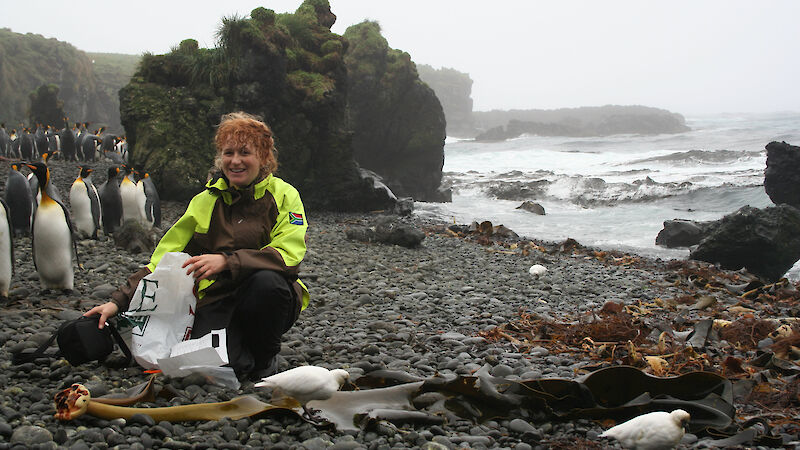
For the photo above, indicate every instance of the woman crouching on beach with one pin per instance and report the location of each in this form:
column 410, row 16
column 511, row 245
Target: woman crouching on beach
column 246, row 236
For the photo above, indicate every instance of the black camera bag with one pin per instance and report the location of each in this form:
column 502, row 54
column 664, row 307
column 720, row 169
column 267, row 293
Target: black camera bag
column 80, row 341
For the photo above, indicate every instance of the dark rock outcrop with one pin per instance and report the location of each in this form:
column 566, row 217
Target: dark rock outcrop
column 782, row 176
column 387, row 230
column 764, row 241
column 533, row 207
column 682, row 233
column 287, row 68
column 397, row 121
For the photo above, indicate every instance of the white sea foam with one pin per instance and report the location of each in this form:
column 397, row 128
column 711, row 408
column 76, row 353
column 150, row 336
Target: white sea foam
column 614, row 191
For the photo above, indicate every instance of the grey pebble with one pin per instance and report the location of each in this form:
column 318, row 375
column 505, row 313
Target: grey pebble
column 502, row 370
column 520, row 426
column 142, row 419
column 30, row 435
column 5, row 429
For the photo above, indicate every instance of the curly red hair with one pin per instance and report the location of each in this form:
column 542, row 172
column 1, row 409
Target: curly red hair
column 238, row 129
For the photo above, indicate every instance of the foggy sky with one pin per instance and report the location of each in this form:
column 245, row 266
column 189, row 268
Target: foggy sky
column 688, row 56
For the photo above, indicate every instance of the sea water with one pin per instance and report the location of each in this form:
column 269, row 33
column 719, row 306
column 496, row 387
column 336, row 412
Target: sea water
column 614, row 192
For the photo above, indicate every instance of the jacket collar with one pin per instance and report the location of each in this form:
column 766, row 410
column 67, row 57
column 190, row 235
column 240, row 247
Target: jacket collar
column 219, row 185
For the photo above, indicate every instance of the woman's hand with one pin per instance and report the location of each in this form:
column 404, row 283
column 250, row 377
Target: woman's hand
column 105, row 310
column 204, row 266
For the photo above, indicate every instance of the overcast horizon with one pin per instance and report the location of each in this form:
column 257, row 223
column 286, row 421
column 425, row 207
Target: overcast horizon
column 689, row 57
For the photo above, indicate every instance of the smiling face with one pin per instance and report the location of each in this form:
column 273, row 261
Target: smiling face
column 241, row 165
column 245, row 149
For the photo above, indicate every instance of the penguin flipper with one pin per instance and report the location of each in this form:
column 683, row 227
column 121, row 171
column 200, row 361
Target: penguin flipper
column 148, row 209
column 71, row 231
column 96, row 207
column 33, row 238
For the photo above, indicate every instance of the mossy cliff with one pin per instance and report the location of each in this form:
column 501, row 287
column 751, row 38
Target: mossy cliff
column 288, row 68
column 397, row 121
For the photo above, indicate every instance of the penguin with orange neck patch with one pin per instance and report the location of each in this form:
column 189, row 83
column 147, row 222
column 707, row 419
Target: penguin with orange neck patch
column 85, row 203
column 127, row 191
column 34, row 184
column 51, row 239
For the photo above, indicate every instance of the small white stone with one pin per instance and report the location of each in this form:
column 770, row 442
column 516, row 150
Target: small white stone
column 537, row 270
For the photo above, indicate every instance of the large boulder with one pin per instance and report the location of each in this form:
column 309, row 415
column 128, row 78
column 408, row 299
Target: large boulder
column 682, row 233
column 782, row 176
column 387, row 230
column 398, row 123
column 764, row 241
column 533, row 207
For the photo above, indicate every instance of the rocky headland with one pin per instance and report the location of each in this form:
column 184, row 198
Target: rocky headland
column 578, row 122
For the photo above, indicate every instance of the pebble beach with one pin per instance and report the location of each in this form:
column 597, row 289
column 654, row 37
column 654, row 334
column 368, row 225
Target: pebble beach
column 426, row 311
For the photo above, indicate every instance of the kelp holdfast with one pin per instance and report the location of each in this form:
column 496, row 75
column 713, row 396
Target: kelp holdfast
column 79, row 341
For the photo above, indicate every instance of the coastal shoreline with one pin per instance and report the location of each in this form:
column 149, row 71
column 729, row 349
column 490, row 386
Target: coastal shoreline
column 444, row 309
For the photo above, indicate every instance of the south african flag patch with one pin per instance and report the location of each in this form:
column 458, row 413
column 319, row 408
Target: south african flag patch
column 295, row 218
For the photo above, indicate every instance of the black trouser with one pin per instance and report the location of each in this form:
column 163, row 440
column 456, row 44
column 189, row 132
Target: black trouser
column 259, row 312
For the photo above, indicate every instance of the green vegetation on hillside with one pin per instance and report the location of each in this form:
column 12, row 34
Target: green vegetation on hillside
column 88, row 90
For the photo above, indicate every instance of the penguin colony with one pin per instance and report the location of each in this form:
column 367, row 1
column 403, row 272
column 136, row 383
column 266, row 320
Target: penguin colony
column 33, row 206
column 73, row 142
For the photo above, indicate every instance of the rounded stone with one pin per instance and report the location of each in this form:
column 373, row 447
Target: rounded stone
column 30, row 435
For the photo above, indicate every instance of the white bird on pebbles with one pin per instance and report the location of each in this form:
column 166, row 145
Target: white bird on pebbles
column 306, row 383
column 537, row 270
column 652, row 431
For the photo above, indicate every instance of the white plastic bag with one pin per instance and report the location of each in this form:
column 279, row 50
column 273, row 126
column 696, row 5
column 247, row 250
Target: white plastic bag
column 161, row 310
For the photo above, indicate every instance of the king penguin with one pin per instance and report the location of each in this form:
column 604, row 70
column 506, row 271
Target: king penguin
column 51, row 239
column 127, row 190
column 40, row 140
column 34, row 183
column 13, row 150
column 6, row 250
column 152, row 202
column 67, row 141
column 85, row 203
column 26, row 144
column 111, row 202
column 19, row 200
column 5, row 141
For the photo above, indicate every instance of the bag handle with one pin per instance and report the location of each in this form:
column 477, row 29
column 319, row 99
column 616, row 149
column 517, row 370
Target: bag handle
column 22, row 358
column 122, row 345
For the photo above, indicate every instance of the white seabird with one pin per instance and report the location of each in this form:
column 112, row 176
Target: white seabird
column 306, row 383
column 652, row 431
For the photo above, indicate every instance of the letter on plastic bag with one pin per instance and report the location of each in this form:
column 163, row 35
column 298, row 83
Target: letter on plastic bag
column 161, row 311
